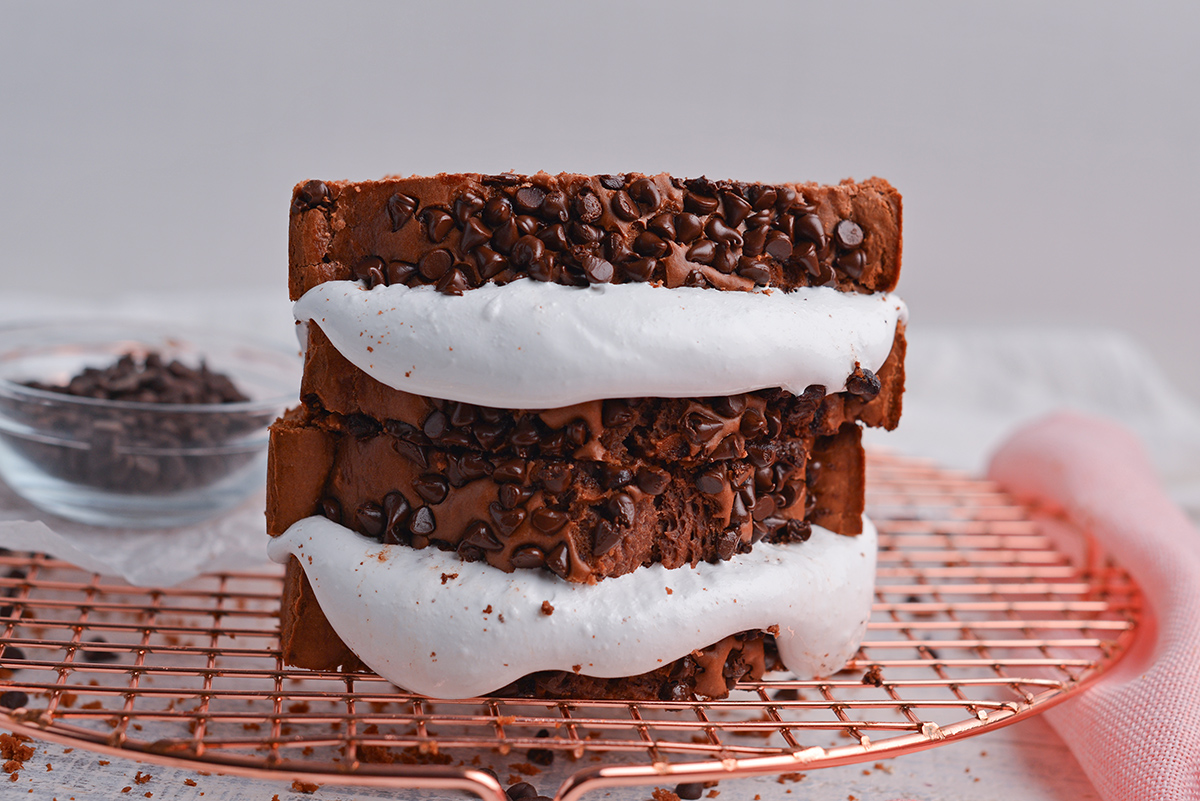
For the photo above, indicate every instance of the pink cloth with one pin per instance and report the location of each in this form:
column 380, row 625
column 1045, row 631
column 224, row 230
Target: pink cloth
column 1136, row 732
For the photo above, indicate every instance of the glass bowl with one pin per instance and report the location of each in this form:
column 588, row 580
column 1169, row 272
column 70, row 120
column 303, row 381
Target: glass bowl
column 135, row 464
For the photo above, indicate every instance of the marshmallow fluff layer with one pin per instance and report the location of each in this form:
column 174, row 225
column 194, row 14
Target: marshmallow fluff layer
column 534, row 345
column 433, row 624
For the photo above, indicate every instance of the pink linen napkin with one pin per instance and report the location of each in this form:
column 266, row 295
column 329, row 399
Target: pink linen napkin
column 1136, row 732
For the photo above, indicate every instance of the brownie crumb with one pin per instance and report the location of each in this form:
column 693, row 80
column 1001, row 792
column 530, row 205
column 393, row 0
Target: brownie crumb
column 448, row 577
column 308, row 788
column 547, row 608
column 663, row 794
column 142, row 778
column 873, row 677
column 192, row 783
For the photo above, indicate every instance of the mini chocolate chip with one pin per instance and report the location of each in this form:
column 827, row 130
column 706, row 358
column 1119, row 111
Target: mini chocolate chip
column 621, row 510
column 612, row 181
column 521, row 790
column 399, row 272
column 453, row 282
column 555, row 237
column 663, row 225
column 438, row 224
column 474, row 235
column 688, row 227
column 528, row 556
column 528, row 199
column 711, row 481
column 479, row 534
column 489, row 262
column 554, row 207
column 689, row 791
column 700, row 204
column 369, row 517
column 847, row 234
column 640, row 269
column 506, row 235
column 555, row 477
column 757, row 272
column 717, row 230
column 596, row 270
column 559, row 561
column 755, row 240
column 652, row 480
column 546, row 519
column 851, row 263
column 584, row 234
column 527, row 250
column 778, row 245
column 433, row 487
column 310, row 195
column 702, row 251
column 331, row 509
column 435, row 264
column 808, row 226
column 400, row 209
column 863, row 383
column 725, row 259
column 511, row 471
column 514, row 495
column 735, row 208
column 436, row 424
column 588, row 207
column 623, row 207
column 646, row 194
column 422, row 522
column 497, row 211
column 727, row 542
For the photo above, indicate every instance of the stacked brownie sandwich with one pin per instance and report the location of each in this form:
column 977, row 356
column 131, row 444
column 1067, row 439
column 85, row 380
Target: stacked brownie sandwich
column 573, row 410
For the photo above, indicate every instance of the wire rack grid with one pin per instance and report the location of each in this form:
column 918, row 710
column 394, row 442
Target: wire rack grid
column 978, row 622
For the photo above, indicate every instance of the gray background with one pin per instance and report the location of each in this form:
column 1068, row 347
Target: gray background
column 1047, row 152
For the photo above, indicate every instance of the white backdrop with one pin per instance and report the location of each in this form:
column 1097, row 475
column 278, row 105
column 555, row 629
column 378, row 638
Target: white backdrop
column 1047, row 151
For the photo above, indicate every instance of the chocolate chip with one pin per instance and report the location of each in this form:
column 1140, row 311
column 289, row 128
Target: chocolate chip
column 804, row 254
column 540, row 756
column 652, row 480
column 621, row 510
column 555, row 477
column 548, row 520
column 435, row 264
column 514, row 495
column 331, row 509
column 699, row 427
column 369, row 517
column 584, row 234
column 640, row 269
column 436, row 424
column 753, row 424
column 847, row 234
column 361, row 426
column 596, row 270
column 778, row 246
column 702, row 252
column 614, row 476
column 760, row 219
column 12, row 652
column 399, row 272
column 13, row 699
column 400, row 209
column 755, row 240
column 513, row 471
column 497, row 211
column 735, row 208
column 719, row 232
column 808, row 226
column 711, row 481
column 474, row 235
column 559, row 561
column 438, row 224
column 554, row 207
column 528, row 556
column 605, row 537
column 543, row 269
column 422, row 522
column 623, row 207
column 527, row 250
column 521, row 790
column 725, row 259
column 729, row 405
column 786, row 198
column 588, row 207
column 646, row 194
column 616, row 412
column 555, row 237
column 689, row 791
column 863, row 383
column 467, row 468
column 616, row 249
column 688, row 227
column 794, row 531
column 727, row 542
column 526, row 433
column 91, row 655
column 764, row 197
column 851, row 263
column 612, row 181
column 757, row 272
column 433, row 487
column 700, row 204
column 463, row 414
column 369, row 269
column 696, row 279
column 663, row 225
column 479, row 534
column 489, row 262
column 465, row 205
column 505, row 520
column 453, row 282
column 396, row 512
column 506, row 235
column 310, row 195
column 529, row 199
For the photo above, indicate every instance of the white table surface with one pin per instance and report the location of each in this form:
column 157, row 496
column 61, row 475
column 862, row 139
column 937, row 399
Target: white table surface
column 952, row 413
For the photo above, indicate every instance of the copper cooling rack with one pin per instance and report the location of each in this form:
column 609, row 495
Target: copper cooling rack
column 978, row 622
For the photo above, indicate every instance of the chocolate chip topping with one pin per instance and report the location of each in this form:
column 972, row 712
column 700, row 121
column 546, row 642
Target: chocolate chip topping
column 596, row 270
column 528, row 199
column 310, row 195
column 847, row 234
column 528, row 556
column 588, row 207
column 646, row 194
column 497, row 211
column 623, row 207
column 863, row 383
column 423, row 522
column 432, row 487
